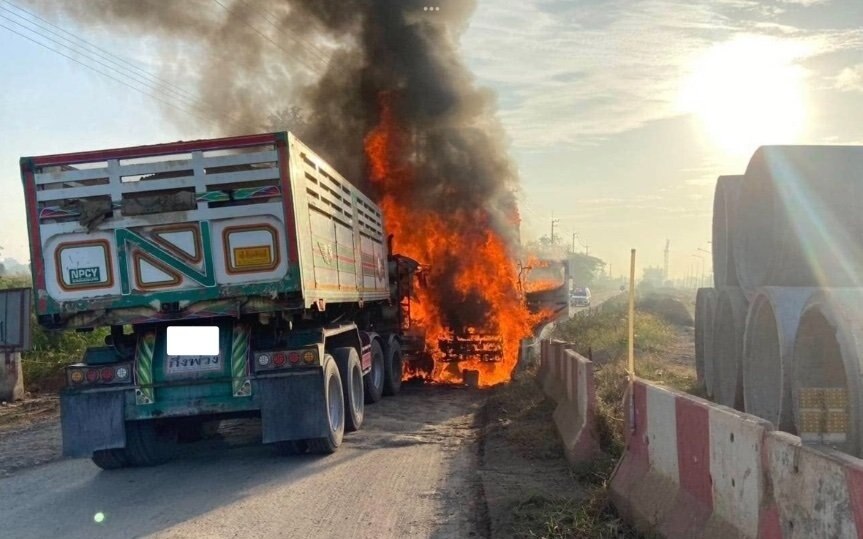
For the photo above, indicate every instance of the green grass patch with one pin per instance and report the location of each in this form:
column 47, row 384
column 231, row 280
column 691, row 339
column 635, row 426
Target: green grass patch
column 607, row 332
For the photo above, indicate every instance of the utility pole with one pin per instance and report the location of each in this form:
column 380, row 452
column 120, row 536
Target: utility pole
column 553, row 222
column 574, row 235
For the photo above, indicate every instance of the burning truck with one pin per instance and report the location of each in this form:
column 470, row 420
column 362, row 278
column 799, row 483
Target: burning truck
column 245, row 276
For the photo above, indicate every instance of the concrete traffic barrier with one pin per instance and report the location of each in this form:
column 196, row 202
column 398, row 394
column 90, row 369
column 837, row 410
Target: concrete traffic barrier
column 11, row 377
column 554, row 383
column 768, row 346
column 799, row 221
column 727, row 346
column 812, row 493
column 575, row 415
column 826, row 389
column 691, row 468
column 705, row 305
column 724, row 230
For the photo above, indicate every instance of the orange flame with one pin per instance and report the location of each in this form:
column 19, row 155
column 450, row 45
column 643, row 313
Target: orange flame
column 464, row 240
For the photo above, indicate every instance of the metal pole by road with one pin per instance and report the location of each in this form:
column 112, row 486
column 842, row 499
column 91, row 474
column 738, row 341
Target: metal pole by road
column 631, row 361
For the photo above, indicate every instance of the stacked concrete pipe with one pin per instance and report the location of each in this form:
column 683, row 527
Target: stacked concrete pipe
column 705, row 305
column 798, row 218
column 771, row 327
column 724, row 227
column 826, row 389
column 727, row 346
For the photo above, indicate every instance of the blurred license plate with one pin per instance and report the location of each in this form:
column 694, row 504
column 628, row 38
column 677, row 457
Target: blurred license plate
column 192, row 364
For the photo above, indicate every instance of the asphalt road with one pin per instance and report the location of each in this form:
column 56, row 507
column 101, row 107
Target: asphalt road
column 410, row 472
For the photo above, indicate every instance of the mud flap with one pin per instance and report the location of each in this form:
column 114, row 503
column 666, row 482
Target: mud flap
column 292, row 407
column 92, row 421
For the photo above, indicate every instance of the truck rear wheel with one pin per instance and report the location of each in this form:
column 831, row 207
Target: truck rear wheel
column 393, row 368
column 348, row 361
column 149, row 444
column 335, row 410
column 110, row 459
column 374, row 380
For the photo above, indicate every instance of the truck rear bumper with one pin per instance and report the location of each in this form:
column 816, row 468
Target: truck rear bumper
column 291, row 407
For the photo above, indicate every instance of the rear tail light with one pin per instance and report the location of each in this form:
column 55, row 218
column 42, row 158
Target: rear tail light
column 83, row 375
column 268, row 361
column 310, row 356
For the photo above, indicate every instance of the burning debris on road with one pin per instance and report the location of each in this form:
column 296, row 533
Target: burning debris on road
column 382, row 89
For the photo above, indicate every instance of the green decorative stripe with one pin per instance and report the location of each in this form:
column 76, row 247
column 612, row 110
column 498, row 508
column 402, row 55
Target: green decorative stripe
column 239, row 362
column 213, row 196
column 207, row 278
column 144, row 360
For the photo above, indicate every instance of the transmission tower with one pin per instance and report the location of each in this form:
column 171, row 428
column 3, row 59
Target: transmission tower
column 667, row 252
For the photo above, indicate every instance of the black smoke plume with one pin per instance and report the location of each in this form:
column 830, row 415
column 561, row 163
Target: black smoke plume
column 321, row 66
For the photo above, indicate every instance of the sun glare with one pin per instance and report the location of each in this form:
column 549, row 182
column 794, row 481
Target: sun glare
column 748, row 92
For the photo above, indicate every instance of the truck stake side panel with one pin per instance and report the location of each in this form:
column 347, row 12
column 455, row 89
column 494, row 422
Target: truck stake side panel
column 197, row 229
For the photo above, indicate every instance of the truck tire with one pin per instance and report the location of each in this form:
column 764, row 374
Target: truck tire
column 348, row 361
column 393, row 368
column 147, row 444
column 334, row 399
column 110, row 459
column 292, row 447
column 374, row 380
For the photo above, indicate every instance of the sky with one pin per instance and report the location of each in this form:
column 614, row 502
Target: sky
column 620, row 114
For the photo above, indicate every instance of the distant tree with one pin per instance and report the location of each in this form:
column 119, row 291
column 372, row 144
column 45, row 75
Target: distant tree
column 291, row 119
column 584, row 268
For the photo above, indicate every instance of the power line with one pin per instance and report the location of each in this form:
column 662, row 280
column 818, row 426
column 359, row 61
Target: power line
column 88, row 66
column 76, row 49
column 266, row 37
column 107, row 55
column 270, row 18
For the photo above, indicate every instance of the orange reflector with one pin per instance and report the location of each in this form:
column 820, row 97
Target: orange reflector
column 309, row 356
column 76, row 376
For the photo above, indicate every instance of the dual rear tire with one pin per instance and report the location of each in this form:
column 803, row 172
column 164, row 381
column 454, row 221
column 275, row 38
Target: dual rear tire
column 147, row 444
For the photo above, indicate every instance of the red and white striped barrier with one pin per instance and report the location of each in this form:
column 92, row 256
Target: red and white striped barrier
column 696, row 469
column 691, row 468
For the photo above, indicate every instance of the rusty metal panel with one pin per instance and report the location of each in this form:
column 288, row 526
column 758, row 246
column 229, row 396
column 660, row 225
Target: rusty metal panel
column 15, row 307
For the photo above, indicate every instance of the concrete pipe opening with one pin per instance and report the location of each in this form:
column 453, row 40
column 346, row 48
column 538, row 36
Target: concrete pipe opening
column 768, row 353
column 724, row 228
column 705, row 305
column 727, row 347
column 826, row 388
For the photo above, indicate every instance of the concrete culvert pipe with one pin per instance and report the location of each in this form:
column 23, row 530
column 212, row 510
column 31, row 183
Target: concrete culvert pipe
column 798, row 218
column 727, row 347
column 768, row 353
column 705, row 304
column 724, row 227
column 826, row 385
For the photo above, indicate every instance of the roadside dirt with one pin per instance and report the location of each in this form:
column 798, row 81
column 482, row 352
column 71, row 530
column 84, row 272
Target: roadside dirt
column 29, row 433
column 524, row 473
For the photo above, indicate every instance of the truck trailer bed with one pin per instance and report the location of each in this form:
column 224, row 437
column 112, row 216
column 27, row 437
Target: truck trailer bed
column 197, row 229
